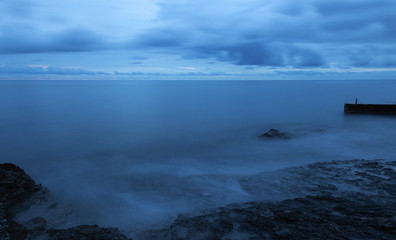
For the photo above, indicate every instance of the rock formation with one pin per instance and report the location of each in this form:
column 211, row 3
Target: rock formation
column 352, row 199
column 275, row 134
column 16, row 188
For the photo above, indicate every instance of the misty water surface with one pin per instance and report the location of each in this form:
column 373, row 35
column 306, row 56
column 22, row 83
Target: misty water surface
column 135, row 153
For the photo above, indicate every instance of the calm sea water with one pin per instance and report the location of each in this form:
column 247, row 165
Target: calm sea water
column 135, row 153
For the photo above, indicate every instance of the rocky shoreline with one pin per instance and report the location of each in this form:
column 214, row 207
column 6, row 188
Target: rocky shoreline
column 351, row 199
column 16, row 189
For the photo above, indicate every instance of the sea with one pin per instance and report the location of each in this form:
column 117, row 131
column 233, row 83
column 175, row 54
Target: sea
column 136, row 154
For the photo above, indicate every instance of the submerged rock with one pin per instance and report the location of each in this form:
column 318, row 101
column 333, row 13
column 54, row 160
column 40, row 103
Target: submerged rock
column 275, row 134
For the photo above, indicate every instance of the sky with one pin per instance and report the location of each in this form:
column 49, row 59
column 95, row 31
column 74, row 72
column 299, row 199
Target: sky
column 203, row 39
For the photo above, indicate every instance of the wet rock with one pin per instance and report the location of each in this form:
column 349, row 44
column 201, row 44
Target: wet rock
column 354, row 199
column 313, row 217
column 36, row 224
column 35, row 229
column 330, row 204
column 15, row 185
column 275, row 134
column 16, row 189
column 86, row 232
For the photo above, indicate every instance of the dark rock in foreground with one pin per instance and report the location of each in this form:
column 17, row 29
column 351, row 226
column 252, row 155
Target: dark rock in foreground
column 275, row 134
column 16, row 188
column 312, row 217
column 86, row 232
column 15, row 185
column 353, row 199
column 359, row 202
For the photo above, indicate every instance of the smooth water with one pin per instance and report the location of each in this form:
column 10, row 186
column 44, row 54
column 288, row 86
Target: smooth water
column 134, row 154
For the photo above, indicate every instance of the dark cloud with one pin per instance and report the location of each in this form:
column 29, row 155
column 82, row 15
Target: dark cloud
column 72, row 40
column 352, row 7
column 372, row 56
column 358, row 21
column 300, row 34
column 162, row 38
column 253, row 46
column 13, row 43
column 373, row 61
column 263, row 54
column 305, row 57
column 272, row 34
column 362, row 60
column 77, row 40
column 252, row 54
column 19, row 8
column 138, row 58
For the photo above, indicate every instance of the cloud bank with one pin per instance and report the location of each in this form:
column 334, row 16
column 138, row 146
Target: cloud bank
column 252, row 33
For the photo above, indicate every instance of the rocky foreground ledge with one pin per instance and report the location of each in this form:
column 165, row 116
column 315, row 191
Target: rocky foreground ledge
column 16, row 189
column 353, row 199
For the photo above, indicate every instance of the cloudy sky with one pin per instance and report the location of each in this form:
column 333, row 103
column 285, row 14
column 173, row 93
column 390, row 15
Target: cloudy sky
column 203, row 39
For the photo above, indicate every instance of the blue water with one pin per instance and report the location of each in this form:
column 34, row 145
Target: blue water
column 144, row 151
